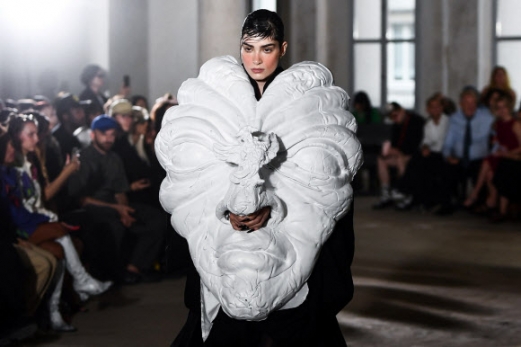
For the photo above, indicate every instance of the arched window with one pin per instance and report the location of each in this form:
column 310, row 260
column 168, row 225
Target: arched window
column 384, row 64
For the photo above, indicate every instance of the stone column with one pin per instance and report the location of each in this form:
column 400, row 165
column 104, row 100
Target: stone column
column 334, row 38
column 220, row 25
column 172, row 45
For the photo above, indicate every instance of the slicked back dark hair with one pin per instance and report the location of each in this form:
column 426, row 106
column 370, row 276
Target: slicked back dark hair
column 263, row 24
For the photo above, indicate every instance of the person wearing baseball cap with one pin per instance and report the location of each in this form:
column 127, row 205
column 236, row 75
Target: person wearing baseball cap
column 101, row 186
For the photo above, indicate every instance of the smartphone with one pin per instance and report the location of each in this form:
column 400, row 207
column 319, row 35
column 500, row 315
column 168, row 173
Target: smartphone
column 75, row 152
column 126, row 81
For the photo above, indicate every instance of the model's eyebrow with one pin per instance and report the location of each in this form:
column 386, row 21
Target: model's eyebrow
column 264, row 46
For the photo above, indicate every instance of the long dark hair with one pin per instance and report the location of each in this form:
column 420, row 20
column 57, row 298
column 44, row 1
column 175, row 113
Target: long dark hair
column 263, row 24
column 363, row 100
column 4, row 141
column 15, row 126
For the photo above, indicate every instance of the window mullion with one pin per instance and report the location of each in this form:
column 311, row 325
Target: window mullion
column 383, row 45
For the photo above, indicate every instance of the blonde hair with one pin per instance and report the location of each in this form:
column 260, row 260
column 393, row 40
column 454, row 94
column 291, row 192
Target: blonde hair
column 491, row 82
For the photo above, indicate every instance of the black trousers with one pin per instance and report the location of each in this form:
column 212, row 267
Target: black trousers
column 148, row 232
column 423, row 178
column 455, row 180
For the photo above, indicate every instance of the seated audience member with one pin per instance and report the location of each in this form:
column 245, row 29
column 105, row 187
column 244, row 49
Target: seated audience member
column 71, row 116
column 102, row 187
column 141, row 166
column 506, row 145
column 93, row 78
column 140, row 100
column 11, row 103
column 491, row 98
column 363, row 111
column 25, row 105
column 406, row 136
column 53, row 172
column 507, row 182
column 499, row 80
column 466, row 144
column 36, row 224
column 45, row 107
column 26, row 270
column 82, row 133
column 423, row 173
column 159, row 109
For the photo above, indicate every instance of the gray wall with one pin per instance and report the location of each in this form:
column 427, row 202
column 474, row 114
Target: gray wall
column 172, row 45
column 128, row 45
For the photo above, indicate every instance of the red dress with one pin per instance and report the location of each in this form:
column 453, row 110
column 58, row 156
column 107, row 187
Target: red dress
column 506, row 138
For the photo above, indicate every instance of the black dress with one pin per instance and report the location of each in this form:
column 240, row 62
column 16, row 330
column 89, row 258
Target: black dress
column 312, row 324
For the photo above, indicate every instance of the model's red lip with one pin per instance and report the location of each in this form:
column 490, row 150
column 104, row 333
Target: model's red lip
column 257, row 70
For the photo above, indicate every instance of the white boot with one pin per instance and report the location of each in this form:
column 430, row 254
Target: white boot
column 84, row 284
column 57, row 322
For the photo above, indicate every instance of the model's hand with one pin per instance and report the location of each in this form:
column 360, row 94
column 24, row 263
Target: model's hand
column 253, row 221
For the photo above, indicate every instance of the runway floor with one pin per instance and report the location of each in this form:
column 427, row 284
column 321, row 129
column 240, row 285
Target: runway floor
column 420, row 280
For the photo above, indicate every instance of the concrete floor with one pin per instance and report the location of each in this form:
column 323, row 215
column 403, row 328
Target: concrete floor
column 420, row 280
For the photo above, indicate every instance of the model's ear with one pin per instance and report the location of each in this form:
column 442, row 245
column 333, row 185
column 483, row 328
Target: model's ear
column 283, row 48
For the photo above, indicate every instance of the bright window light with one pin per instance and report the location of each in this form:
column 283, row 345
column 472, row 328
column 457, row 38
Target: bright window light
column 264, row 4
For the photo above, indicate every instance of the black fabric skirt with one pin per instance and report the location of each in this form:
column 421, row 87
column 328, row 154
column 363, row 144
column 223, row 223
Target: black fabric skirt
column 507, row 179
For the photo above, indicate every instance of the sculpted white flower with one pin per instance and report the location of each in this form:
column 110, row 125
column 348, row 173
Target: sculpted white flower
column 294, row 150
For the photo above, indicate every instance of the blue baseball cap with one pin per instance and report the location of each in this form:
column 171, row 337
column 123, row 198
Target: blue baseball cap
column 103, row 123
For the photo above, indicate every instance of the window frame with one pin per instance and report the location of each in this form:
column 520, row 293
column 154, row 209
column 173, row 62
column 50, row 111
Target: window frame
column 496, row 38
column 383, row 42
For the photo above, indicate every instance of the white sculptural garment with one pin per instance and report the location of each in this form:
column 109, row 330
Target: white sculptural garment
column 295, row 150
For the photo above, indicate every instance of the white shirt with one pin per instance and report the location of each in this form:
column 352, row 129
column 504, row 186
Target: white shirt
column 434, row 134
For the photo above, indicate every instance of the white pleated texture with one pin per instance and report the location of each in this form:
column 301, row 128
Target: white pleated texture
column 252, row 274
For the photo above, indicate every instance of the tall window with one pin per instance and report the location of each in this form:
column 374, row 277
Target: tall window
column 265, row 4
column 508, row 40
column 384, row 50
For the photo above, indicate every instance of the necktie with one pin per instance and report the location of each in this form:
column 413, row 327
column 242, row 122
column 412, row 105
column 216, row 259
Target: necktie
column 467, row 140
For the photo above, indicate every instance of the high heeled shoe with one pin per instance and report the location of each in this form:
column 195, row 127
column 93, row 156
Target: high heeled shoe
column 84, row 284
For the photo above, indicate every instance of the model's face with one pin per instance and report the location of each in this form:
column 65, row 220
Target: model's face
column 124, row 120
column 104, row 139
column 9, row 154
column 260, row 57
column 29, row 137
column 469, row 105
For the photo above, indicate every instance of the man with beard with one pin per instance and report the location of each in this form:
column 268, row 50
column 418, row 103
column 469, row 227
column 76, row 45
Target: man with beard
column 101, row 187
